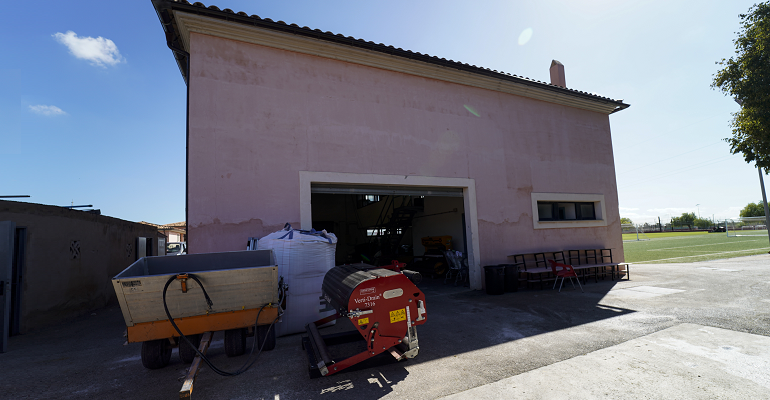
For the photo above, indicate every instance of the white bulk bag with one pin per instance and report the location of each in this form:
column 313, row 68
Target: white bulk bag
column 303, row 258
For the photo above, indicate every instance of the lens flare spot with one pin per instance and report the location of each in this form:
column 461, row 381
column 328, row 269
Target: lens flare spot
column 525, row 36
column 471, row 110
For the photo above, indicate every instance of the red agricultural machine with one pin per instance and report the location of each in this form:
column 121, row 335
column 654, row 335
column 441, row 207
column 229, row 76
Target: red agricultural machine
column 384, row 307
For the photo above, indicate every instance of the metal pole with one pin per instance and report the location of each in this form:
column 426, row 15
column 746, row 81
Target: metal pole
column 764, row 202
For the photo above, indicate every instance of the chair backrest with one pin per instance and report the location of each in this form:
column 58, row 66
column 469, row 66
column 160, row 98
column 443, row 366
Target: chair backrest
column 605, row 254
column 573, row 257
column 452, row 259
column 564, row 267
column 519, row 259
column 553, row 266
column 558, row 256
column 591, row 255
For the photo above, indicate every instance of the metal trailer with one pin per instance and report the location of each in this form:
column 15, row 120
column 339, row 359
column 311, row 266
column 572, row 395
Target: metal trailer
column 242, row 285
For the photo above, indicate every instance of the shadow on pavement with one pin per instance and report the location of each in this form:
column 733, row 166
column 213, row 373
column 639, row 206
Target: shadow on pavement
column 462, row 320
column 86, row 358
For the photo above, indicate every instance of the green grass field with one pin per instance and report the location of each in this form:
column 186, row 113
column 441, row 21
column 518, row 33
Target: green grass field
column 685, row 247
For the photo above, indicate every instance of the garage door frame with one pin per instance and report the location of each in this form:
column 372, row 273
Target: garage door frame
column 468, row 186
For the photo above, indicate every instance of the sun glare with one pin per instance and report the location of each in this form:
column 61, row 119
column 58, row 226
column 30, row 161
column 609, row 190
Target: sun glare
column 525, row 36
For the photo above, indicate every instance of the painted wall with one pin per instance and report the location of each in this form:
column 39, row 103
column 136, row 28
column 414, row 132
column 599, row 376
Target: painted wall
column 259, row 115
column 57, row 286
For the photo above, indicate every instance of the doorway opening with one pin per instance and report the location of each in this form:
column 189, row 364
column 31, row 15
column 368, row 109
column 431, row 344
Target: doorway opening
column 380, row 218
column 17, row 272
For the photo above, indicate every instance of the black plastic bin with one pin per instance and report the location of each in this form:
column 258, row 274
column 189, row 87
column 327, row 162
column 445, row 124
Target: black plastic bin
column 495, row 279
column 511, row 277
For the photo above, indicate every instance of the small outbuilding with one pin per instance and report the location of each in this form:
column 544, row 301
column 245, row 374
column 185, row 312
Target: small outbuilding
column 384, row 146
column 57, row 263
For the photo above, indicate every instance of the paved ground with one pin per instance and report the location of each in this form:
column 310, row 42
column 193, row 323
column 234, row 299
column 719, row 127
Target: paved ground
column 697, row 330
column 686, row 361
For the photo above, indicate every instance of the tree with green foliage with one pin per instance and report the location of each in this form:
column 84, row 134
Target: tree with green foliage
column 626, row 221
column 702, row 223
column 687, row 219
column 753, row 210
column 746, row 78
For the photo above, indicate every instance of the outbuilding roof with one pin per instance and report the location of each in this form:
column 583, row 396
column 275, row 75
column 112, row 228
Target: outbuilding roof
column 167, row 9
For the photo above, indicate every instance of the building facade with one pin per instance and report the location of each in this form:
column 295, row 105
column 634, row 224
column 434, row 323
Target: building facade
column 281, row 117
column 60, row 262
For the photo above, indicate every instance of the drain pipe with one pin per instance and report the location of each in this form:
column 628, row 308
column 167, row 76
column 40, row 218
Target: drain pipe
column 187, row 134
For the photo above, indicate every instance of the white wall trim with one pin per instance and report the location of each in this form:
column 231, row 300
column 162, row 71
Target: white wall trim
column 306, row 178
column 599, row 209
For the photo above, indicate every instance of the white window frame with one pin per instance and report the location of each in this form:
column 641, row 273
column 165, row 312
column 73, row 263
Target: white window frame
column 599, row 210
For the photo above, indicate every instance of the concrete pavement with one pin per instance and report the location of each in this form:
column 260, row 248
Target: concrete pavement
column 709, row 319
column 686, row 361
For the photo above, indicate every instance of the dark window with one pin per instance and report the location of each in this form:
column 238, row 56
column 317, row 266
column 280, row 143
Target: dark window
column 366, row 199
column 565, row 211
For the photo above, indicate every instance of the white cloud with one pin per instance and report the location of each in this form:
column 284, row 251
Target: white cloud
column 99, row 51
column 47, row 110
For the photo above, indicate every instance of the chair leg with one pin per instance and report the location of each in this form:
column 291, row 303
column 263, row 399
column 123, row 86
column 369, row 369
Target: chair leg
column 555, row 281
column 562, row 284
column 581, row 286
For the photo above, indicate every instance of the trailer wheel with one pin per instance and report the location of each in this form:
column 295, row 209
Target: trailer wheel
column 156, row 353
column 261, row 331
column 186, row 352
column 439, row 268
column 235, row 342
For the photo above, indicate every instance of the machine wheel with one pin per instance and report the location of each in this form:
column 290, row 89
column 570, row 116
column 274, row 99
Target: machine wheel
column 235, row 342
column 440, row 268
column 186, row 352
column 260, row 337
column 156, row 353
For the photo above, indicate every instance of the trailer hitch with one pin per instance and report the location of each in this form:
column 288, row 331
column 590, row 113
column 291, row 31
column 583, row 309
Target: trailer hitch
column 183, row 280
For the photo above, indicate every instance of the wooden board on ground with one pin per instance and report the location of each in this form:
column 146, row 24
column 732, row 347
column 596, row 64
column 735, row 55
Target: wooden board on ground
column 192, row 373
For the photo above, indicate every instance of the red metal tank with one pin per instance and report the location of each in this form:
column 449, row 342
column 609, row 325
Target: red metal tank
column 384, row 307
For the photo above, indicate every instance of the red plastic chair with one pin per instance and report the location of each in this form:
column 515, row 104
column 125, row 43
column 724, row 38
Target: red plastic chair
column 566, row 272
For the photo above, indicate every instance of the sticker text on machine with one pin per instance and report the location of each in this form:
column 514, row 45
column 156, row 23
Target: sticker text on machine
column 398, row 315
column 364, row 291
column 367, row 301
column 363, row 321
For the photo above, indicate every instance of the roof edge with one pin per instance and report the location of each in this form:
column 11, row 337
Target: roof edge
column 179, row 18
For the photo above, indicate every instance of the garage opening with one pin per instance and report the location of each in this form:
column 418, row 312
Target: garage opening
column 376, row 224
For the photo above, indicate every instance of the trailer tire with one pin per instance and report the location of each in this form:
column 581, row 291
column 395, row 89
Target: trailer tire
column 235, row 342
column 186, row 352
column 156, row 353
column 260, row 337
column 440, row 268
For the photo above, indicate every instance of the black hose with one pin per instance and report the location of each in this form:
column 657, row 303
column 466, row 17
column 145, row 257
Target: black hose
column 205, row 359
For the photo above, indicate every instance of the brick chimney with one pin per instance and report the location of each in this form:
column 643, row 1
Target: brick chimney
column 557, row 74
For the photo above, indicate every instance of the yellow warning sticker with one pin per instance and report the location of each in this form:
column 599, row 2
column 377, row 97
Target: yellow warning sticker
column 363, row 321
column 398, row 315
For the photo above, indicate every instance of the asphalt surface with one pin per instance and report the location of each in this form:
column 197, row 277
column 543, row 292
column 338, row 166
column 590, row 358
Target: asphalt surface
column 527, row 344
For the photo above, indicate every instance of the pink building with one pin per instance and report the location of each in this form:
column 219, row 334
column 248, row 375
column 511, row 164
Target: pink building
column 290, row 124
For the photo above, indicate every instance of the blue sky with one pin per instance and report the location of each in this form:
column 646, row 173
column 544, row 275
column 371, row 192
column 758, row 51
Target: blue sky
column 102, row 121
